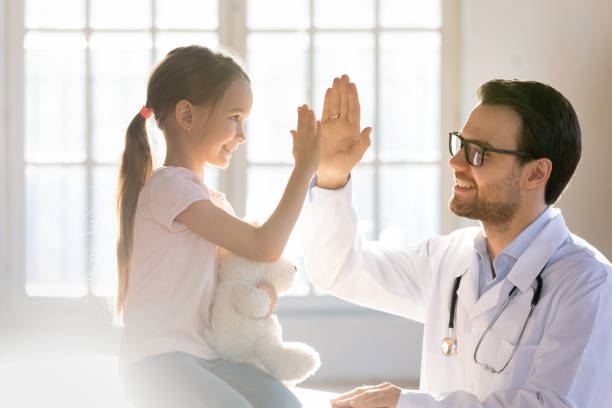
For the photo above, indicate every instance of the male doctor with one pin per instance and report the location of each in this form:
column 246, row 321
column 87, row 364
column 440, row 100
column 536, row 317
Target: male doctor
column 517, row 313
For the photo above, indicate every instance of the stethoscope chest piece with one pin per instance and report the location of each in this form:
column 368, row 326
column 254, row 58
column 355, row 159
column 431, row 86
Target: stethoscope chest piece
column 449, row 346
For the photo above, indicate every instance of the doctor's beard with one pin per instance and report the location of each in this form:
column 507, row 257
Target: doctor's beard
column 494, row 205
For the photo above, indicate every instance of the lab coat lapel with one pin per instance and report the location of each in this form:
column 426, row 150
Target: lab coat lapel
column 467, row 294
column 538, row 253
column 491, row 298
column 527, row 267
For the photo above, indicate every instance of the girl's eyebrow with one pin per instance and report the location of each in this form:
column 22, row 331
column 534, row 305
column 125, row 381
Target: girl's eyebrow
column 237, row 109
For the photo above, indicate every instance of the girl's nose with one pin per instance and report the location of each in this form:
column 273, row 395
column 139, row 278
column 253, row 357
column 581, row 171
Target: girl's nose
column 240, row 135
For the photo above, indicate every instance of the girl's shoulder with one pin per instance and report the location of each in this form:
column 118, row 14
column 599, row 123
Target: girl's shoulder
column 168, row 175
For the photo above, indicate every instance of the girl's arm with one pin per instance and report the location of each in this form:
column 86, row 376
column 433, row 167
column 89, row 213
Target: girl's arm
column 267, row 242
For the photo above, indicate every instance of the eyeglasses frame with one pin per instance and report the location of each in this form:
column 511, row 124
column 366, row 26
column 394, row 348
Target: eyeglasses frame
column 465, row 142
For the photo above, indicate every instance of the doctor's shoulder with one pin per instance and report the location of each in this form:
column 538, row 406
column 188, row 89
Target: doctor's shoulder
column 579, row 270
column 581, row 257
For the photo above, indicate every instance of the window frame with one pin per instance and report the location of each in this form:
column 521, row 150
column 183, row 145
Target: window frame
column 16, row 306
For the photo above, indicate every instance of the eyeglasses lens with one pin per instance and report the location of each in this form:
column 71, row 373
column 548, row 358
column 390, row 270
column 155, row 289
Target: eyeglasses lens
column 455, row 144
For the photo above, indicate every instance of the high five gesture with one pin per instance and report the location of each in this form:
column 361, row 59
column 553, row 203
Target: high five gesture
column 343, row 143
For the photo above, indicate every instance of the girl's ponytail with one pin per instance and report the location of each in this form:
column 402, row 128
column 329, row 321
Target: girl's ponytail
column 136, row 167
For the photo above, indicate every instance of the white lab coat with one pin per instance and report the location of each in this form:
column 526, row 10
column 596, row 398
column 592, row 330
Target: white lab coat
column 565, row 356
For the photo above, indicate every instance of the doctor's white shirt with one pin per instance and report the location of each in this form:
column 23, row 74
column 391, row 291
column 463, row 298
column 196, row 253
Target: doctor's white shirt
column 565, row 356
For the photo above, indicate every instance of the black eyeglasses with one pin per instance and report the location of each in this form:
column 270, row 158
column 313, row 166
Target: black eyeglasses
column 474, row 153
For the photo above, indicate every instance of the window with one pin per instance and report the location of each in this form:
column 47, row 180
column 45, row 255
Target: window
column 85, row 77
column 84, row 68
column 392, row 51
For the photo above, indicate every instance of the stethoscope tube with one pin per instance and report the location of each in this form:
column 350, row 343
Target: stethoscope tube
column 449, row 344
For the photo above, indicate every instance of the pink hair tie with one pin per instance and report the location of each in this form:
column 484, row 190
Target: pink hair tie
column 145, row 112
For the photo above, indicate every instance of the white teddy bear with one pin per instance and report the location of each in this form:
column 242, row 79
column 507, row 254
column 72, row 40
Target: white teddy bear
column 239, row 329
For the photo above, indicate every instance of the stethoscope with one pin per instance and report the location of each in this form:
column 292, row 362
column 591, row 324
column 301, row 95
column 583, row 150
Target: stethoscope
column 449, row 344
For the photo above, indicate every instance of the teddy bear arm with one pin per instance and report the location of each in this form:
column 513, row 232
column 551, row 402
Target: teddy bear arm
column 250, row 301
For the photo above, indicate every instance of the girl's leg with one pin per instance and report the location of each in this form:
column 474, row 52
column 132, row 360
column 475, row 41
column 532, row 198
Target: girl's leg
column 259, row 388
column 178, row 379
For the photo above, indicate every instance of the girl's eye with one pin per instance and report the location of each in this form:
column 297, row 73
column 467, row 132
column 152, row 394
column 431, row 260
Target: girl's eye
column 235, row 117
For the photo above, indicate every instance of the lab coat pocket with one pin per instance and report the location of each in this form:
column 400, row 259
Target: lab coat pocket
column 519, row 364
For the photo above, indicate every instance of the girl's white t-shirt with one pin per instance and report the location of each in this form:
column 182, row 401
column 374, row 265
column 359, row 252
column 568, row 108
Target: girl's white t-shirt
column 172, row 272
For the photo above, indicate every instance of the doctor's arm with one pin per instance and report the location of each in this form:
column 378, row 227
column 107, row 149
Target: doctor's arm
column 395, row 278
column 571, row 366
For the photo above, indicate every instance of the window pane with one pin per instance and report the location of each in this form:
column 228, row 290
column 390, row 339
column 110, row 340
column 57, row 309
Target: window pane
column 410, row 96
column 56, row 259
column 197, row 14
column 292, row 14
column 410, row 13
column 55, row 97
column 277, row 67
column 344, row 13
column 120, row 14
column 55, row 14
column 264, row 189
column 409, row 208
column 104, row 231
column 120, row 68
column 352, row 54
column 167, row 41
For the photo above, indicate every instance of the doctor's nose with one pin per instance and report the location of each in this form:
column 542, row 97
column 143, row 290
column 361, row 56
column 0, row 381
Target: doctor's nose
column 458, row 162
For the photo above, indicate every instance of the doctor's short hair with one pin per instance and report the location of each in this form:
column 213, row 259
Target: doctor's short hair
column 550, row 126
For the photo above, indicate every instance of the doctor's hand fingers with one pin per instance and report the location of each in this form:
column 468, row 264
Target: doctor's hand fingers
column 344, row 97
column 386, row 396
column 327, row 104
column 359, row 390
column 332, row 97
column 354, row 109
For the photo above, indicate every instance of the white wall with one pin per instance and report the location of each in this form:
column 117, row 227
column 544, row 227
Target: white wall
column 567, row 44
column 3, row 165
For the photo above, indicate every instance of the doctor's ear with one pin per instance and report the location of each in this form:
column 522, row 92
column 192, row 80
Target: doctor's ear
column 183, row 112
column 537, row 173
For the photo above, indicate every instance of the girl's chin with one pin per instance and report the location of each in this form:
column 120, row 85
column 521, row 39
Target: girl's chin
column 220, row 163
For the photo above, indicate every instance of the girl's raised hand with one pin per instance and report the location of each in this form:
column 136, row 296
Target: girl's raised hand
column 307, row 146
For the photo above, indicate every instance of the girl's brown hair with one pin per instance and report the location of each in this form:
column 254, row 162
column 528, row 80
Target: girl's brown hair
column 192, row 73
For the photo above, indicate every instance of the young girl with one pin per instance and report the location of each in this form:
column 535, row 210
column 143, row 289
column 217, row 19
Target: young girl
column 171, row 223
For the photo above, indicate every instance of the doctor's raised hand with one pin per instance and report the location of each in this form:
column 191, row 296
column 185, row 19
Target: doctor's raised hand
column 343, row 143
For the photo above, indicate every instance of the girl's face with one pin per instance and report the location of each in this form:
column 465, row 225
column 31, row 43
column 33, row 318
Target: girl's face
column 218, row 132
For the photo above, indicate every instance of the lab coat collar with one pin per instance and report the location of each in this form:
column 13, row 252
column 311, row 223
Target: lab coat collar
column 522, row 275
column 539, row 252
